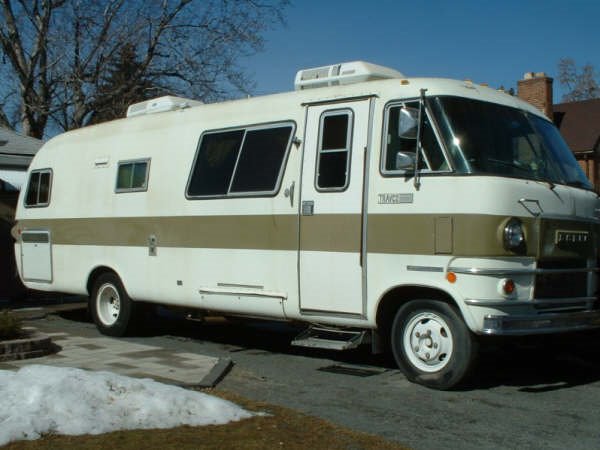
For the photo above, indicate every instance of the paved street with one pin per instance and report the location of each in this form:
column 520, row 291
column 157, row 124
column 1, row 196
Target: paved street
column 528, row 395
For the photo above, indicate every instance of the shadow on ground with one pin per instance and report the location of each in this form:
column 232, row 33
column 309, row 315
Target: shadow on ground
column 530, row 364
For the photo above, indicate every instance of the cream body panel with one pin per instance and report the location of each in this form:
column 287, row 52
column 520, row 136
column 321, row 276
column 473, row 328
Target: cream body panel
column 180, row 276
column 452, row 194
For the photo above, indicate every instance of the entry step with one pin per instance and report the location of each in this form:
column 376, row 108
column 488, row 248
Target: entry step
column 329, row 338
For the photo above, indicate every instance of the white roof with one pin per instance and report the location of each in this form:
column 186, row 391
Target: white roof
column 17, row 150
column 15, row 178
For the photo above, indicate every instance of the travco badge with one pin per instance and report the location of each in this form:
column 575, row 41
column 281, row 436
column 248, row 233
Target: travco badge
column 394, row 198
column 571, row 237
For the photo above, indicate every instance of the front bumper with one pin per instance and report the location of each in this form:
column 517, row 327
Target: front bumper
column 514, row 325
column 524, row 315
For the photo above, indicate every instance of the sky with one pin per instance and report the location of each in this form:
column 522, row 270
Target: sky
column 484, row 41
column 39, row 399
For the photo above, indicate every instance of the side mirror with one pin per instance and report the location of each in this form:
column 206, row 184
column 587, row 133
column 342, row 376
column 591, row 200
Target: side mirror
column 408, row 123
column 405, row 161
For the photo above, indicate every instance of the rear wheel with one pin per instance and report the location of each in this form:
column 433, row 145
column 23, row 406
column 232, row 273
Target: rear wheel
column 431, row 344
column 111, row 307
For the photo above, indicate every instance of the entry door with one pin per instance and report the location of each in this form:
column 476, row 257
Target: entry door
column 331, row 208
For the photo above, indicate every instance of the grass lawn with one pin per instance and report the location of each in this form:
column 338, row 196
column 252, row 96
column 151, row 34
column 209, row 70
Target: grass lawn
column 282, row 428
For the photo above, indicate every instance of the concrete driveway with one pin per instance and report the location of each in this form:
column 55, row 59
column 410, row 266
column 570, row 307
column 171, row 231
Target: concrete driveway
column 526, row 394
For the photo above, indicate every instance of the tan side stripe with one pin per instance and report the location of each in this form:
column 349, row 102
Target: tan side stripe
column 471, row 235
column 244, row 232
column 331, row 232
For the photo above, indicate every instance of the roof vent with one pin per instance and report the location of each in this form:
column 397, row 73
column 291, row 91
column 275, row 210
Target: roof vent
column 344, row 73
column 160, row 104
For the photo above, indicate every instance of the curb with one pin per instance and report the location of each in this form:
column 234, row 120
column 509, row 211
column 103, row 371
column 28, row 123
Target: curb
column 216, row 374
column 34, row 345
column 33, row 313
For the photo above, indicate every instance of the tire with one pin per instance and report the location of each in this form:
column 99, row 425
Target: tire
column 110, row 306
column 432, row 344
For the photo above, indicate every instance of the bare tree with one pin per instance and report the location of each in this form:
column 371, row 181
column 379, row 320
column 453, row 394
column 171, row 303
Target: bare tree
column 581, row 85
column 57, row 53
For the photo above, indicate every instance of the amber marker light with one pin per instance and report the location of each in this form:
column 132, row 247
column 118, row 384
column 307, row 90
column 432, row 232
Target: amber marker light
column 451, row 277
column 508, row 286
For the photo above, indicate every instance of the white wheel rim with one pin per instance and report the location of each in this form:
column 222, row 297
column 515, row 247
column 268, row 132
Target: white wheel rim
column 428, row 342
column 108, row 304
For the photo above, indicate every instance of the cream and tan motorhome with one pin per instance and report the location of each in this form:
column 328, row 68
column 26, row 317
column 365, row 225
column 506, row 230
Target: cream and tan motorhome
column 416, row 212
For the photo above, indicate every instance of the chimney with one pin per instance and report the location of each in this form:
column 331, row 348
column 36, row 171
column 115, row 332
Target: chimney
column 536, row 88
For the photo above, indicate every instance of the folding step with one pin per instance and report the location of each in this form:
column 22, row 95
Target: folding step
column 332, row 339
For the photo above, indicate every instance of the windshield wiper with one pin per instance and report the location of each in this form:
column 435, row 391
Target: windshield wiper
column 579, row 184
column 512, row 164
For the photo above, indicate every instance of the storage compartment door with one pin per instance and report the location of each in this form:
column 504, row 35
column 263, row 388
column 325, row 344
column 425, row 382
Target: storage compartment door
column 36, row 256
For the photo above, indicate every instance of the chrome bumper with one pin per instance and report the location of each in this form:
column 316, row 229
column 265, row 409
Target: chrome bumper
column 541, row 323
column 548, row 315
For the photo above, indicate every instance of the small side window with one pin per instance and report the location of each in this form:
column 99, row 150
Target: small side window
column 333, row 158
column 38, row 188
column 132, row 176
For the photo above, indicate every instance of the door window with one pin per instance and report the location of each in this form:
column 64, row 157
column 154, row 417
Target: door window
column 333, row 156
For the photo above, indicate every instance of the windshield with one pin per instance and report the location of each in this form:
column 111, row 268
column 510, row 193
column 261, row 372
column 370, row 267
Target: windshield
column 498, row 140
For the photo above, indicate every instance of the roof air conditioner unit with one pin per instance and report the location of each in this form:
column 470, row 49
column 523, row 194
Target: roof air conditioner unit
column 160, row 104
column 344, row 73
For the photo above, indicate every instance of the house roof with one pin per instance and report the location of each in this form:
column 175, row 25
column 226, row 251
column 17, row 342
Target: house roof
column 579, row 123
column 17, row 150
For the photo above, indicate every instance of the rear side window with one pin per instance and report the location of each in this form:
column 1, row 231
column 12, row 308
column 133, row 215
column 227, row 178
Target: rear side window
column 333, row 160
column 247, row 161
column 132, row 176
column 38, row 188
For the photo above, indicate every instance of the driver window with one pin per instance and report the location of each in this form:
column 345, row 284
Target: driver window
column 401, row 140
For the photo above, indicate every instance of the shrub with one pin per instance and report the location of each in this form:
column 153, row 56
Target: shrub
column 10, row 325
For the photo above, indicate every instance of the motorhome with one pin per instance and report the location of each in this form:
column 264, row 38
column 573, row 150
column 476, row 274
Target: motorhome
column 417, row 214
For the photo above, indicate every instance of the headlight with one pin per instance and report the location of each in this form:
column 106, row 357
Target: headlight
column 513, row 236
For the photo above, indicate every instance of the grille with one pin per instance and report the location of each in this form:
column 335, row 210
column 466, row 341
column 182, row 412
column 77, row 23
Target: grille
column 561, row 285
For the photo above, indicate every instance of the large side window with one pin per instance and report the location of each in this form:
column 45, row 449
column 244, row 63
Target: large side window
column 333, row 156
column 38, row 188
column 261, row 159
column 401, row 143
column 132, row 176
column 247, row 161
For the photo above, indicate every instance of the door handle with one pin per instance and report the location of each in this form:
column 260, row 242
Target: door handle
column 289, row 192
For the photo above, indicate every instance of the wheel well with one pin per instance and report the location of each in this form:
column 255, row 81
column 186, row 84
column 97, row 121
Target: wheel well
column 95, row 274
column 398, row 296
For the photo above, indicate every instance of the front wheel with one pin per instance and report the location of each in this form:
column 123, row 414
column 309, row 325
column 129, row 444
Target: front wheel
column 111, row 307
column 431, row 344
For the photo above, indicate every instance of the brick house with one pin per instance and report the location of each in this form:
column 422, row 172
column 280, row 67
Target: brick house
column 578, row 122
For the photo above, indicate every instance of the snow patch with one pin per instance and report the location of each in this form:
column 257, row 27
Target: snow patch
column 42, row 399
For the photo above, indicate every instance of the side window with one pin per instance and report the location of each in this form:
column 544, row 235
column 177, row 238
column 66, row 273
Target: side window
column 240, row 162
column 333, row 156
column 132, row 176
column 215, row 162
column 401, row 143
column 38, row 188
column 261, row 159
